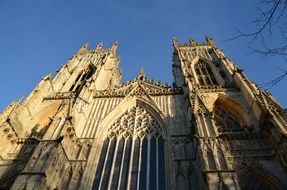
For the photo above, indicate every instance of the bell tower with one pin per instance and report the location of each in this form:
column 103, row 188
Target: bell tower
column 109, row 74
column 226, row 111
column 100, row 64
column 85, row 129
column 48, row 113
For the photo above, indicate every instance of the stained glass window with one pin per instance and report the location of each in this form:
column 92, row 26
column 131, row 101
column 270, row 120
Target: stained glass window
column 135, row 168
column 143, row 168
column 117, row 163
column 108, row 164
column 126, row 163
column 152, row 170
column 101, row 164
column 132, row 156
column 161, row 168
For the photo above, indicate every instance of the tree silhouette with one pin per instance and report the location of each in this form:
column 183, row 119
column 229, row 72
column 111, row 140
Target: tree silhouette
column 270, row 23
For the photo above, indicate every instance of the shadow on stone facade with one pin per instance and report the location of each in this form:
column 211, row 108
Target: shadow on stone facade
column 18, row 157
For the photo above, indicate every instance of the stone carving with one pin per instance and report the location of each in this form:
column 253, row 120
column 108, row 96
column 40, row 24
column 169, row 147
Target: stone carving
column 151, row 87
column 200, row 139
column 136, row 121
column 60, row 95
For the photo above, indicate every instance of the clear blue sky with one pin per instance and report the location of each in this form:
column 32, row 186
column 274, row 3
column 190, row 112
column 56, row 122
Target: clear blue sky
column 37, row 37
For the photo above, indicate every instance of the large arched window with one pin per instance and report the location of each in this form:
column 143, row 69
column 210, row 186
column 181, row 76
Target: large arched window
column 252, row 181
column 226, row 120
column 132, row 155
column 204, row 74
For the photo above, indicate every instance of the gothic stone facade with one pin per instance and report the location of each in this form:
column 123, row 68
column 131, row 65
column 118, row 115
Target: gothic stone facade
column 84, row 129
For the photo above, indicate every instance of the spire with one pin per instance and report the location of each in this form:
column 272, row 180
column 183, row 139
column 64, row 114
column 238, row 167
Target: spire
column 114, row 46
column 99, row 46
column 84, row 47
column 192, row 41
column 174, row 42
column 209, row 40
column 141, row 74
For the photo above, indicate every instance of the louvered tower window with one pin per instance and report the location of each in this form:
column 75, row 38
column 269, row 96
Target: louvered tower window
column 204, row 74
column 132, row 155
column 81, row 79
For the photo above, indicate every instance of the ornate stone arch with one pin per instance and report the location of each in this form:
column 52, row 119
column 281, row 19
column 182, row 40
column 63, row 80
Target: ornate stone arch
column 257, row 177
column 124, row 106
column 231, row 105
column 208, row 65
column 116, row 139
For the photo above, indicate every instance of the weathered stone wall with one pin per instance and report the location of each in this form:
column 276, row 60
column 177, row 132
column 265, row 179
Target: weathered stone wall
column 219, row 128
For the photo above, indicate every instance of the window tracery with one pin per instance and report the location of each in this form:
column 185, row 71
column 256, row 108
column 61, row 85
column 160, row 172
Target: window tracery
column 132, row 155
column 253, row 182
column 81, row 79
column 226, row 120
column 204, row 74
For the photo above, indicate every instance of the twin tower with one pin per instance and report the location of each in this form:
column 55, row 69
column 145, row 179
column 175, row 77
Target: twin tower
column 85, row 129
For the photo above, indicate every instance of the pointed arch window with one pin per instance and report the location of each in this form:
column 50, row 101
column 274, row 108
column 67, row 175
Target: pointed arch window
column 132, row 155
column 81, row 78
column 254, row 181
column 204, row 74
column 254, row 184
column 226, row 120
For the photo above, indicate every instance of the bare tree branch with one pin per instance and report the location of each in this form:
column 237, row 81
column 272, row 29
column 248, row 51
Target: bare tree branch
column 274, row 81
column 266, row 29
column 267, row 21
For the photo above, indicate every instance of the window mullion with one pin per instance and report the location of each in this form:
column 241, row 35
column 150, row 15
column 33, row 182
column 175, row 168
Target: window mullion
column 208, row 75
column 157, row 163
column 148, row 163
column 78, row 81
column 113, row 164
column 125, row 176
column 118, row 159
column 104, row 168
column 161, row 168
column 131, row 162
column 139, row 164
column 100, row 164
column 122, row 163
column 203, row 75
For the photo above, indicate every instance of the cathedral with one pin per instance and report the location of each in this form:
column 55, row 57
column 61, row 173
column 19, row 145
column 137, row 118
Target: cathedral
column 84, row 129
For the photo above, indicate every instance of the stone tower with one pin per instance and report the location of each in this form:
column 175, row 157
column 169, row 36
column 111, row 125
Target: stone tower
column 85, row 129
